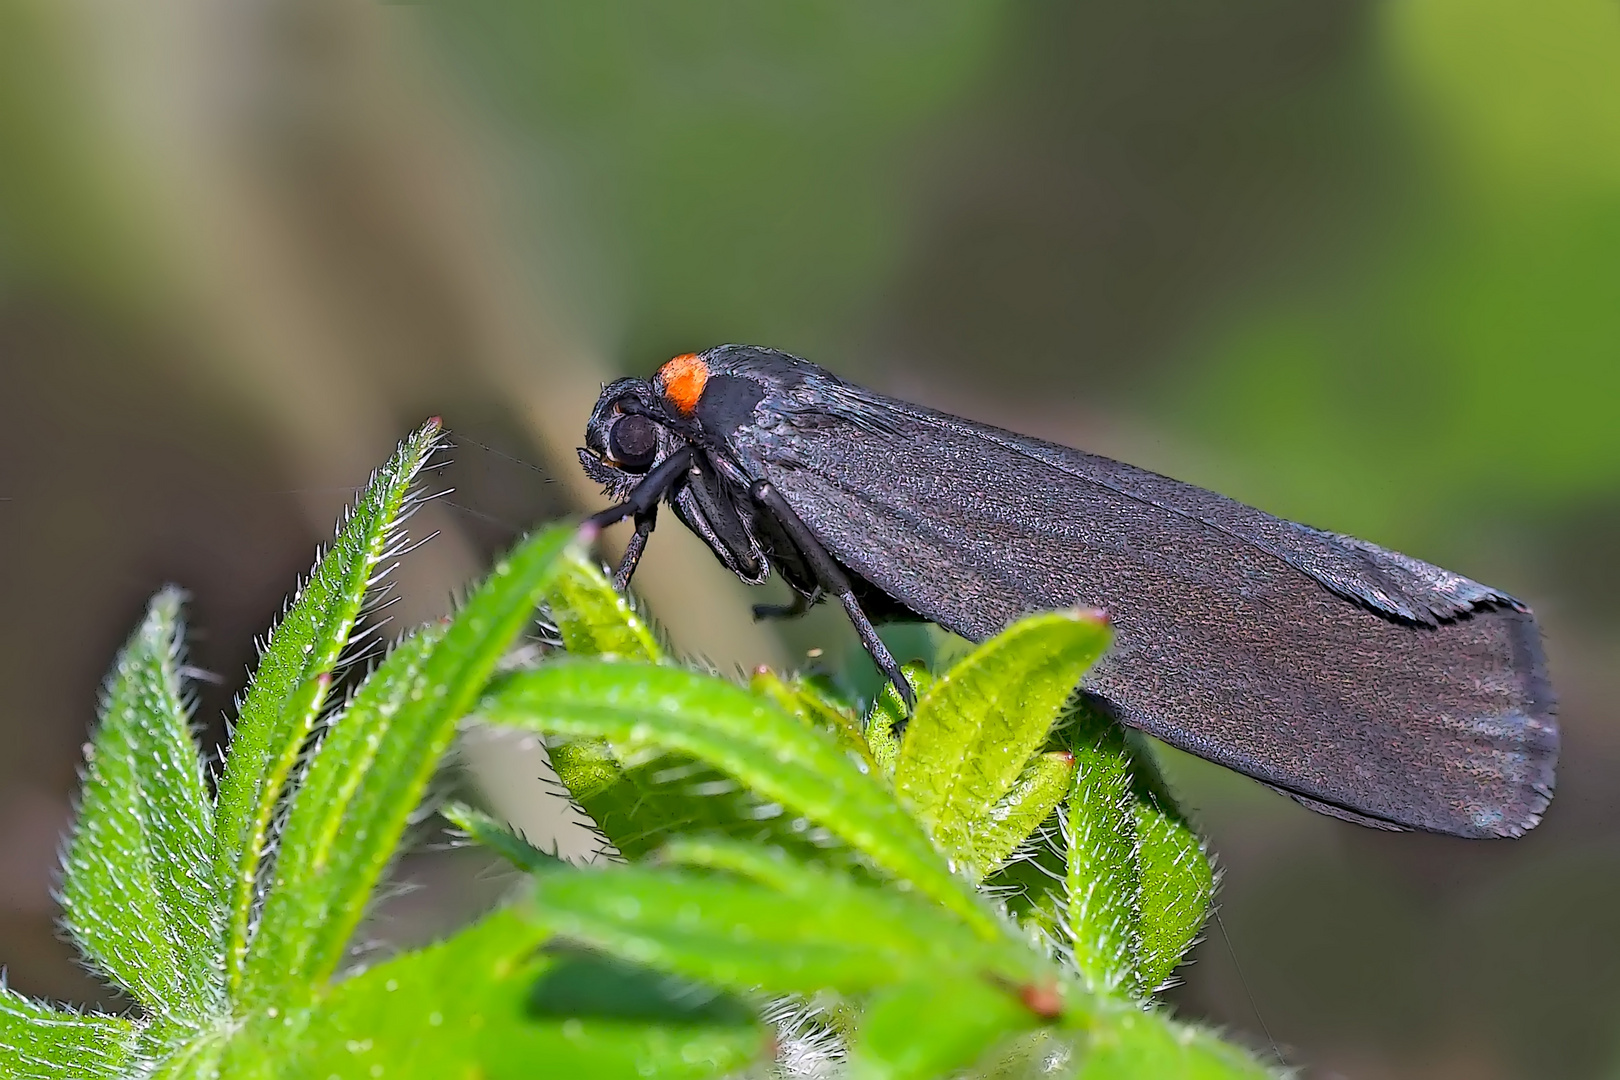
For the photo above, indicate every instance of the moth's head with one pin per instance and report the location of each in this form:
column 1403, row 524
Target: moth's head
column 694, row 399
column 624, row 437
column 639, row 422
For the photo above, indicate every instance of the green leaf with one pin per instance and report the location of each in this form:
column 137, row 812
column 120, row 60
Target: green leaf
column 1174, row 878
column 136, row 894
column 782, row 760
column 1102, row 886
column 977, row 725
column 630, row 806
column 1032, row 884
column 594, row 618
column 1176, row 875
column 916, row 1031
column 369, row 774
column 802, row 699
column 315, row 866
column 38, row 1042
column 287, row 689
column 195, row 1056
column 640, row 797
column 888, row 716
column 588, row 769
column 802, row 931
column 1125, row 1042
column 1037, row 792
column 637, row 802
column 770, row 866
column 1177, row 884
column 500, row 839
column 486, row 1003
column 582, row 983
column 664, row 795
column 643, row 796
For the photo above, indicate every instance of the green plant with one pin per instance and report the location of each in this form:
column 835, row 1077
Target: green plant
column 1004, row 885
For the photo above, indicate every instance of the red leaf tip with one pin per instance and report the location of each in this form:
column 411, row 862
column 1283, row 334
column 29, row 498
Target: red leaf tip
column 1043, row 999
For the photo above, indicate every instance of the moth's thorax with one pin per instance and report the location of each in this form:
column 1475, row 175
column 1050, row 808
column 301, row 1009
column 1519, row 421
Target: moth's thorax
column 681, row 382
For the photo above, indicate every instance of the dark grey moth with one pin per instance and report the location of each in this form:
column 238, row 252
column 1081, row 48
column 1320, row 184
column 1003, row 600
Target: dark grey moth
column 1364, row 683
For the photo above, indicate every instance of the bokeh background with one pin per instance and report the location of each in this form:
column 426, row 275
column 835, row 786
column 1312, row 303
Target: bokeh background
column 1355, row 262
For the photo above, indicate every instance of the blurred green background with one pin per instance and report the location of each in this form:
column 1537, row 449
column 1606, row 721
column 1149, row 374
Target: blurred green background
column 1357, row 263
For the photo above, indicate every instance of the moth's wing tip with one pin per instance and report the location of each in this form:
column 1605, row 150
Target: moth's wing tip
column 1508, row 817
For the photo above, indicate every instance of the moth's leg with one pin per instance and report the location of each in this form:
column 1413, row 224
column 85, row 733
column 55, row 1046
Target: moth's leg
column 832, row 578
column 801, row 604
column 645, row 523
column 642, row 504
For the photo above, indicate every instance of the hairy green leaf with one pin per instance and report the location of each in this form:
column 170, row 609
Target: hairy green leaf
column 369, row 774
column 628, row 803
column 802, row 769
column 658, row 794
column 1036, row 793
column 1031, row 884
column 916, row 1031
column 1176, row 876
column 888, row 716
column 1126, row 1042
column 769, row 866
column 309, row 876
column 588, row 769
column 489, row 1003
column 637, row 800
column 499, row 839
column 580, row 982
column 977, row 725
column 640, row 796
column 38, row 1042
column 1102, row 886
column 1177, row 884
column 802, row 931
column 800, row 698
column 279, row 708
column 594, row 618
column 194, row 1056
column 137, row 894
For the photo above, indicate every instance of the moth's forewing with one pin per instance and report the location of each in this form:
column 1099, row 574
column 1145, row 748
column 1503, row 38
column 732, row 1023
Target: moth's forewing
column 1234, row 640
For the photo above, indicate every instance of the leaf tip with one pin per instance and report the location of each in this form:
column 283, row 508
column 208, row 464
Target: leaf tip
column 1044, row 999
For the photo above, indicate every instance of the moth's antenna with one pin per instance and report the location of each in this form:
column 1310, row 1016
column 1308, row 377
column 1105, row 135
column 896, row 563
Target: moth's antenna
column 492, row 519
column 460, row 438
column 1243, row 980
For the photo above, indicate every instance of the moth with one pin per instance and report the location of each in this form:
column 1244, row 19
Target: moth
column 1364, row 683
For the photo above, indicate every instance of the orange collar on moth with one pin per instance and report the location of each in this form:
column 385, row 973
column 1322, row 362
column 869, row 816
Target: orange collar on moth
column 681, row 381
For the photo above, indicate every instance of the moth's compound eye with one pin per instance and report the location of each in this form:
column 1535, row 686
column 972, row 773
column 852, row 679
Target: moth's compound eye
column 632, row 442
